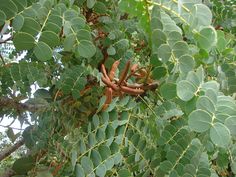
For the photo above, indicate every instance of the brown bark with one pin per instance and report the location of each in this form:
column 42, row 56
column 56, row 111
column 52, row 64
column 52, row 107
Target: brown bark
column 8, row 151
column 9, row 103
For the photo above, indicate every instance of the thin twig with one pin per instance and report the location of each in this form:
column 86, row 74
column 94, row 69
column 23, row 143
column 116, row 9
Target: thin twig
column 3, row 62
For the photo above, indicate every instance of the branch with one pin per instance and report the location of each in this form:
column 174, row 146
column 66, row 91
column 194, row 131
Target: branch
column 9, row 103
column 8, row 151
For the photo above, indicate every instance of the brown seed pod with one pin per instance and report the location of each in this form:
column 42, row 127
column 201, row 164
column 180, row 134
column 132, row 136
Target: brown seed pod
column 109, row 83
column 124, row 73
column 108, row 94
column 113, row 69
column 132, row 91
column 133, row 68
column 104, row 72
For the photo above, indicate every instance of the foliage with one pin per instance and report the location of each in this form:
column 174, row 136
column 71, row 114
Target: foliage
column 185, row 127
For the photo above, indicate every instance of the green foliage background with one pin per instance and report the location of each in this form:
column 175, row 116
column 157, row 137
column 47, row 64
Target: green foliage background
column 186, row 127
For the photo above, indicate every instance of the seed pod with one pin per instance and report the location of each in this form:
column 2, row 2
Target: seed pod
column 124, row 73
column 108, row 94
column 104, row 72
column 109, row 83
column 132, row 91
column 113, row 69
column 133, row 68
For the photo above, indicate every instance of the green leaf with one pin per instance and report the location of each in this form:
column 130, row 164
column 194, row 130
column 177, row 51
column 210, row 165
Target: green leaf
column 83, row 34
column 159, row 72
column 2, row 17
column 180, row 48
column 233, row 167
column 210, row 85
column 44, row 174
column 79, row 171
column 164, row 52
column 100, row 7
column 186, row 63
column 90, row 3
column 73, row 158
column 96, row 121
column 91, row 140
column 30, row 26
column 207, row 38
column 87, row 165
column 156, row 23
column 186, row 90
column 205, row 104
column 104, row 151
column 109, row 163
column 202, row 16
column 101, row 170
column 173, row 37
column 193, row 78
column 86, row 49
column 230, row 122
column 168, row 90
column 158, row 38
column 70, row 14
column 101, row 103
column 96, row 157
column 9, row 8
column 221, row 41
column 42, row 51
column 111, row 51
column 110, row 132
column 220, row 135
column 21, row 4
column 50, row 38
column 199, row 120
column 124, row 173
column 52, row 27
column 18, row 22
column 11, row 135
column 166, row 166
column 23, row 41
column 69, row 42
column 23, row 165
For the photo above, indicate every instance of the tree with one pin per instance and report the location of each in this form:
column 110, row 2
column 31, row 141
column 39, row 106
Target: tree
column 120, row 88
